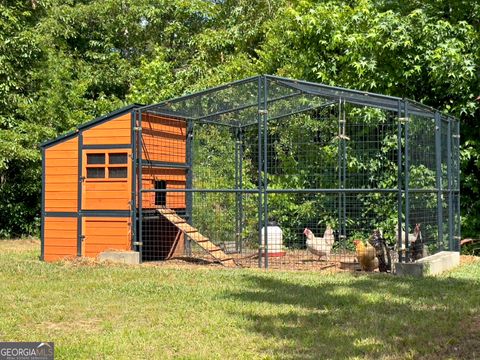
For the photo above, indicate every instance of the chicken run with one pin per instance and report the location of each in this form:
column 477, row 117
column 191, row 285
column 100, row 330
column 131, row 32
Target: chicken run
column 277, row 173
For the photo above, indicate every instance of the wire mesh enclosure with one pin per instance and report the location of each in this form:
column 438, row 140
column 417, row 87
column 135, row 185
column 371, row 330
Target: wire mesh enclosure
column 278, row 173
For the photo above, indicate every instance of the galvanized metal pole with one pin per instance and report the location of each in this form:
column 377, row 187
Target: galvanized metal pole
column 438, row 158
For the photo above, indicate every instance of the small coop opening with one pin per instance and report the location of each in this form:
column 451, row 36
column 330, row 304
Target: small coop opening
column 160, row 197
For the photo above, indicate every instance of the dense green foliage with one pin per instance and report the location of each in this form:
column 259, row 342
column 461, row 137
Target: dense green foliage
column 65, row 62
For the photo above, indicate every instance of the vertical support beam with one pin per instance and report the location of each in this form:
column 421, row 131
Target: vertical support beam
column 438, row 158
column 259, row 171
column 79, row 194
column 189, row 182
column 140, row 185
column 265, row 166
column 457, row 185
column 240, row 194
column 133, row 201
column 342, row 169
column 451, row 244
column 399, row 184
column 42, row 212
column 236, row 176
column 407, row 180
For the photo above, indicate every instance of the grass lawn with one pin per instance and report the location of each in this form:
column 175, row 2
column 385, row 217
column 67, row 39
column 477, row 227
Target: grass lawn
column 118, row 312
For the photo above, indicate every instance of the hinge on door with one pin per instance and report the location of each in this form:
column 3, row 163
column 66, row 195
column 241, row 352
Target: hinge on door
column 82, row 238
column 82, row 178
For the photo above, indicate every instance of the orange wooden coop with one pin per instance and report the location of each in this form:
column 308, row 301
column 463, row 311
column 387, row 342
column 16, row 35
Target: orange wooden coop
column 91, row 192
column 89, row 197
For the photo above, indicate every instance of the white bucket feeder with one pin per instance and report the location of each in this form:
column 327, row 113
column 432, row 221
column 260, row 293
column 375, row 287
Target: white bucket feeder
column 275, row 240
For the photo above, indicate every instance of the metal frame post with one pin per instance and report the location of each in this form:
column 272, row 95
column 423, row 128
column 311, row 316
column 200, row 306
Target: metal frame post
column 457, row 187
column 140, row 186
column 438, row 162
column 238, row 186
column 133, row 201
column 240, row 194
column 450, row 183
column 189, row 182
column 399, row 184
column 407, row 180
column 260, row 212
column 342, row 169
column 265, row 167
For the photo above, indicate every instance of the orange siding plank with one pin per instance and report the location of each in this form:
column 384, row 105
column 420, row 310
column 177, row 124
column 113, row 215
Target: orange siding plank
column 60, row 238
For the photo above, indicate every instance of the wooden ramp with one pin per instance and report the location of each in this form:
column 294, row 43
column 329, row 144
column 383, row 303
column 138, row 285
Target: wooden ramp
column 204, row 242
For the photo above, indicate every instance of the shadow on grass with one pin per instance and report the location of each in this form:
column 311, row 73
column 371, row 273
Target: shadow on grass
column 372, row 317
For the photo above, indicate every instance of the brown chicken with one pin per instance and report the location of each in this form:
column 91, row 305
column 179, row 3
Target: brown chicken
column 366, row 255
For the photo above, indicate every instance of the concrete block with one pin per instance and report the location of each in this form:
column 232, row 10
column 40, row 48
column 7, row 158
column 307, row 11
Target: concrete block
column 430, row 265
column 122, row 257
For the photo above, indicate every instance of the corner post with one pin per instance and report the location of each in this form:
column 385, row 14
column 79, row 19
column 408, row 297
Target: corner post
column 42, row 213
column 133, row 202
column 438, row 161
column 451, row 243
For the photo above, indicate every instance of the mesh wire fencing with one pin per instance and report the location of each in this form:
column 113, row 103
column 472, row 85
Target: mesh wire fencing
column 271, row 172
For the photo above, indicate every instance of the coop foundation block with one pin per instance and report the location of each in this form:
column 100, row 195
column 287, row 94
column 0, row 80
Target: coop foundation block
column 430, row 265
column 121, row 257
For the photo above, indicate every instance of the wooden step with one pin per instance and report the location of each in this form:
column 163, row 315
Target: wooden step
column 216, row 252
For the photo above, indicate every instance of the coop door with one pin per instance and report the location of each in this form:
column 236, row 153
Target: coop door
column 106, row 180
column 105, row 233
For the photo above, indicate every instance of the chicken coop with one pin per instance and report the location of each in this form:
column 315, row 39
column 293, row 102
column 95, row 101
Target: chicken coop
column 264, row 172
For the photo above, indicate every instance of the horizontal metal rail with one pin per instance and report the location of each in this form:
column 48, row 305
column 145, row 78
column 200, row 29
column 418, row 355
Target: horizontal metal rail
column 279, row 191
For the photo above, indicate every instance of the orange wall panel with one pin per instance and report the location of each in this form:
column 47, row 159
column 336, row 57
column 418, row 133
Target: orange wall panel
column 164, row 139
column 60, row 238
column 115, row 131
column 105, row 233
column 61, row 176
column 174, row 178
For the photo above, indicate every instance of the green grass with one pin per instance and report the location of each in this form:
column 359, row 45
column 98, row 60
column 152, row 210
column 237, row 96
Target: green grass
column 118, row 312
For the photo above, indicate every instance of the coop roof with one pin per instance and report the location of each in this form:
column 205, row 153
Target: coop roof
column 89, row 124
column 237, row 103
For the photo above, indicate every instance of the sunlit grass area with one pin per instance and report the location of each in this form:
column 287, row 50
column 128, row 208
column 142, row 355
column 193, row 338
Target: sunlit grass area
column 92, row 310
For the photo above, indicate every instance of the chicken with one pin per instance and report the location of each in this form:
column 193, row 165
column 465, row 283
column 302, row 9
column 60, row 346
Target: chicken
column 366, row 255
column 383, row 253
column 320, row 246
column 415, row 241
column 411, row 237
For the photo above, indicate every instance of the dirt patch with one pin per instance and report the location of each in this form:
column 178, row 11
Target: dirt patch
column 19, row 245
column 468, row 259
column 90, row 325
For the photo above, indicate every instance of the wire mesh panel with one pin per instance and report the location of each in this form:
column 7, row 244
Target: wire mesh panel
column 280, row 173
